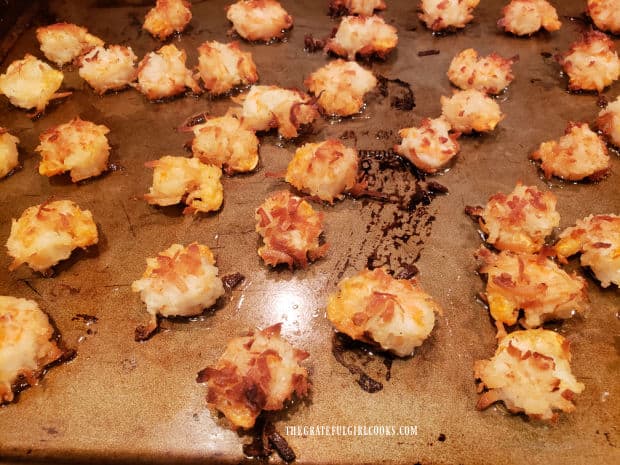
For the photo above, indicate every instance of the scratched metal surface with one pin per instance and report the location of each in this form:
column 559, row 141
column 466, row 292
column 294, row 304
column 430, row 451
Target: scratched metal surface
column 138, row 402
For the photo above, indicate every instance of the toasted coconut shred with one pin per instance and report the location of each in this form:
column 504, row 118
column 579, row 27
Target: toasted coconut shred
column 608, row 122
column 605, row 14
column 597, row 238
column 260, row 371
column 167, row 17
column 519, row 221
column 356, row 7
column 223, row 67
column 439, row 15
column 530, row 373
column 591, row 63
column 80, row 147
column 26, row 346
column 290, row 229
column 525, row 17
column 532, row 283
column 363, row 36
column 579, row 154
column 163, row 74
column 111, row 68
column 430, row 146
column 325, row 170
column 8, row 152
column 187, row 180
column 260, row 20
column 46, row 234
column 394, row 314
column 471, row 110
column 490, row 74
column 62, row 43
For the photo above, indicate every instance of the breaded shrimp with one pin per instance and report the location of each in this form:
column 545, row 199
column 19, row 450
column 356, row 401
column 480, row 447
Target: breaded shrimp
column 363, row 36
column 109, row 68
column 525, row 17
column 471, row 110
column 490, row 74
column 167, row 17
column 8, row 152
column 225, row 66
column 261, row 20
column 62, row 43
column 439, row 15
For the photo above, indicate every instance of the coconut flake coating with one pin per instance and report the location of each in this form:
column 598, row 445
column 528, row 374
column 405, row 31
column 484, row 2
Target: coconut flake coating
column 597, row 238
column 8, row 152
column 187, row 180
column 260, row 371
column 608, row 122
column 167, row 17
column 46, row 234
column 471, row 110
column 363, row 36
column 261, row 20
column 356, row 7
column 62, row 43
column 373, row 307
column 111, row 68
column 26, row 344
column 490, row 74
column 439, row 15
column 579, row 154
column 605, row 14
column 530, row 372
column 80, row 147
column 525, row 17
column 223, row 67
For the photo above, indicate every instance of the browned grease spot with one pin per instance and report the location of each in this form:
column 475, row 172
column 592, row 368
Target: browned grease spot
column 232, row 280
column 402, row 96
column 265, row 439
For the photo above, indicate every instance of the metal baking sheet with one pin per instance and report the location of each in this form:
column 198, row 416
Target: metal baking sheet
column 139, row 402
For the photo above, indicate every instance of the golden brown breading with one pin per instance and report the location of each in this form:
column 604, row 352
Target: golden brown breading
column 471, row 110
column 525, row 17
column 591, row 63
column 8, row 152
column 530, row 372
column 31, row 83
column 439, row 15
column 223, row 142
column 532, row 283
column 490, row 74
column 167, row 17
column 579, row 154
column 290, row 229
column 356, row 7
column 62, row 43
column 325, row 169
column 605, row 14
column 597, row 238
column 225, row 66
column 187, row 180
column 340, row 87
column 27, row 345
column 608, row 122
column 80, row 147
column 260, row 371
column 109, row 68
column 261, row 20
column 46, row 234
column 519, row 221
column 363, row 36
column 430, row 146
column 395, row 314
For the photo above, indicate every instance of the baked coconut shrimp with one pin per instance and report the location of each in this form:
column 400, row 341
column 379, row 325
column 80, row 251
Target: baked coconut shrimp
column 440, row 15
column 471, row 110
column 8, row 152
column 62, row 43
column 363, row 36
column 530, row 372
column 340, row 87
column 260, row 371
column 163, row 74
column 167, row 17
column 532, row 283
column 225, row 66
column 429, row 147
column 591, row 63
column 180, row 281
column 109, row 68
column 605, row 14
column 260, row 20
column 525, row 17
column 519, row 221
column 27, row 345
column 356, row 7
column 223, row 142
column 579, row 154
column 30, row 83
column 80, row 147
column 608, row 122
column 290, row 229
column 46, row 234
column 394, row 314
column 597, row 238
column 187, row 180
column 267, row 107
column 325, row 170
column 491, row 74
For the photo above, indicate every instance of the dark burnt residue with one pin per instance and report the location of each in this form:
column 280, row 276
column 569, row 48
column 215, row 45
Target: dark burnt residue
column 265, row 439
column 313, row 45
column 602, row 101
column 88, row 319
column 232, row 280
column 402, row 96
column 399, row 220
column 426, row 53
column 362, row 361
column 546, row 54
